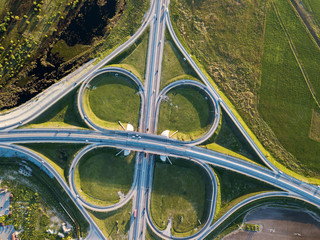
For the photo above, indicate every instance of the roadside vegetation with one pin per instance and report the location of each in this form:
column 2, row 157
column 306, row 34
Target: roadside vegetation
column 43, row 41
column 59, row 155
column 187, row 110
column 114, row 225
column 63, row 114
column 179, row 192
column 134, row 58
column 112, row 98
column 43, row 200
column 101, row 177
column 174, row 66
column 235, row 187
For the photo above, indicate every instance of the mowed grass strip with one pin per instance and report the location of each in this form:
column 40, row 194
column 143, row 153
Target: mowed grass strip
column 63, row 114
column 100, row 175
column 114, row 225
column 174, row 66
column 188, row 110
column 285, row 101
column 111, row 99
column 179, row 192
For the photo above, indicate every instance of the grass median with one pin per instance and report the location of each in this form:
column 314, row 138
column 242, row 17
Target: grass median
column 227, row 139
column 187, row 110
column 174, row 65
column 112, row 98
column 102, row 178
column 135, row 56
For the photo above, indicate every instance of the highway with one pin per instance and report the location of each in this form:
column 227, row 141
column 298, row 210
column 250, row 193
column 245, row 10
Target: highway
column 33, row 108
column 144, row 141
column 86, row 84
column 154, row 144
column 85, row 203
column 152, row 85
column 217, row 96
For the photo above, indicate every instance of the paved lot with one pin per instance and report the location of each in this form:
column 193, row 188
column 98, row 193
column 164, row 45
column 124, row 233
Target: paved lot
column 4, row 203
column 280, row 224
column 6, row 232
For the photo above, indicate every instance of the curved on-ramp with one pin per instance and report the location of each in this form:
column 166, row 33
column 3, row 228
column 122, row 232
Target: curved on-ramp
column 213, row 99
column 217, row 96
column 85, row 203
column 213, row 203
column 85, row 84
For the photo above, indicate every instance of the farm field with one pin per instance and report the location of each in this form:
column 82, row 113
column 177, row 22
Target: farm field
column 277, row 102
column 313, row 6
column 285, row 101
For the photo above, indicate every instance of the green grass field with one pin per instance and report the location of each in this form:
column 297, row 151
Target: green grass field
column 111, row 99
column 114, row 225
column 187, row 111
column 179, row 192
column 59, row 155
column 135, row 56
column 174, row 67
column 100, row 175
column 307, row 50
column 285, row 101
column 63, row 114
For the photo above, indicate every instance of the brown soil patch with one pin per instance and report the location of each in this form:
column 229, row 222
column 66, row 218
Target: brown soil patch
column 280, row 224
